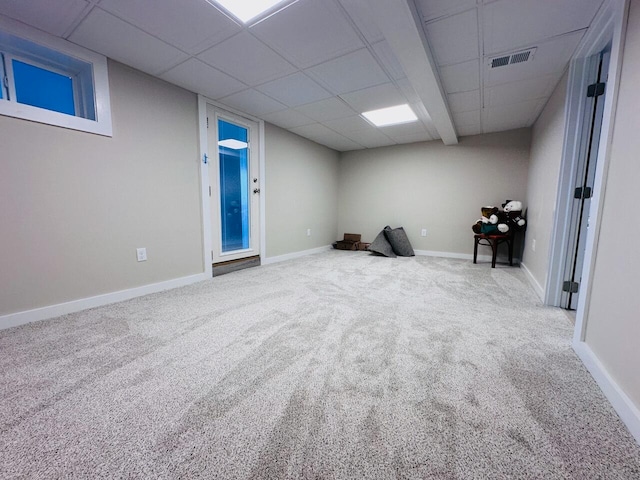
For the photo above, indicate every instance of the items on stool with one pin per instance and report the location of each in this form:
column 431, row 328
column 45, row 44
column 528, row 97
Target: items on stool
column 496, row 227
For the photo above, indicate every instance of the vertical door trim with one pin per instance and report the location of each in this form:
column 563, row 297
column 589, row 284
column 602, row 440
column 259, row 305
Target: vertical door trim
column 205, row 208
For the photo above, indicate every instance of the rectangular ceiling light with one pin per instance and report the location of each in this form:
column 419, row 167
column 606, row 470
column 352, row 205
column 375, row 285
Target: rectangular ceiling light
column 390, row 116
column 247, row 10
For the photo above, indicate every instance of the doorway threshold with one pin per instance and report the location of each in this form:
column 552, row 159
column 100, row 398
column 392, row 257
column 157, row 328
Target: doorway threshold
column 235, row 265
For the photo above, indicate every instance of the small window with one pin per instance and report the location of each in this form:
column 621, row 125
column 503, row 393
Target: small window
column 49, row 80
column 43, row 88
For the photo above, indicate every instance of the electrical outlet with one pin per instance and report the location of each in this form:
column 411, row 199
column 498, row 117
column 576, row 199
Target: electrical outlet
column 423, row 233
column 533, row 245
column 142, row 254
column 308, row 232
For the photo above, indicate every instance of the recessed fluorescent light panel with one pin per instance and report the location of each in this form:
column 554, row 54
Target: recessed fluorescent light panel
column 390, row 116
column 233, row 144
column 247, row 10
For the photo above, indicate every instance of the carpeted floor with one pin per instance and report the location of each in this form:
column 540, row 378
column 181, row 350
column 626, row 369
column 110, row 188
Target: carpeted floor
column 340, row 365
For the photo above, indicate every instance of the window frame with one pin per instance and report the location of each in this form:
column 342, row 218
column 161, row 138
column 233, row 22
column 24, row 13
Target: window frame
column 28, row 45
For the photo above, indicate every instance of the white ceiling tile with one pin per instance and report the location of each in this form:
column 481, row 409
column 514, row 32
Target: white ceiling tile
column 380, row 96
column 464, row 101
column 325, row 136
column 389, row 60
column 469, row 130
column 430, row 9
column 507, row 117
column 411, row 128
column 346, row 125
column 413, row 138
column 550, row 57
column 360, row 13
column 316, row 130
column 515, row 92
column 52, row 17
column 371, row 138
column 248, row 59
column 454, row 39
column 294, row 90
column 328, row 109
column 110, row 36
column 464, row 119
column 513, row 24
column 351, row 72
column 253, row 102
column 461, row 77
column 324, row 28
column 288, row 119
column 190, row 25
column 201, row 78
column 339, row 143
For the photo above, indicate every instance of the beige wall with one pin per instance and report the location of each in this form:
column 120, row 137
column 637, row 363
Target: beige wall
column 544, row 172
column 75, row 206
column 433, row 186
column 301, row 193
column 613, row 322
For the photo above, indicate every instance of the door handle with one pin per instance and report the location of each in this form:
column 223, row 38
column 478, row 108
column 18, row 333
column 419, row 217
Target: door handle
column 256, row 190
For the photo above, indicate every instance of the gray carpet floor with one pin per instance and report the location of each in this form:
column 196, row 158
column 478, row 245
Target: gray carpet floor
column 340, row 365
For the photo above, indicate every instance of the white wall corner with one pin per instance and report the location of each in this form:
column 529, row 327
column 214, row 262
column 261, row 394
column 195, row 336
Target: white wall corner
column 620, row 401
column 51, row 311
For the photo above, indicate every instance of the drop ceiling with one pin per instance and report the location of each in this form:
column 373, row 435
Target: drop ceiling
column 314, row 66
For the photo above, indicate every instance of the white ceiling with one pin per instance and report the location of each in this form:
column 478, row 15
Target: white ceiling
column 314, row 66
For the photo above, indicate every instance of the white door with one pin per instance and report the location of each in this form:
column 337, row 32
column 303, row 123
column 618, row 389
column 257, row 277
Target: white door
column 235, row 185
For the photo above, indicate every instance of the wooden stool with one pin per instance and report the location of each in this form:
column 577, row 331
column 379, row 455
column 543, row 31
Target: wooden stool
column 493, row 241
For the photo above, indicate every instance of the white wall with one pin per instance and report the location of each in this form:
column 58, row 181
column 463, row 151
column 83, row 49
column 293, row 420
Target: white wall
column 75, row 206
column 544, row 173
column 613, row 310
column 301, row 180
column 433, row 186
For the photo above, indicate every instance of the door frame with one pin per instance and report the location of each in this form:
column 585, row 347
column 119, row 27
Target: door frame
column 206, row 153
column 609, row 27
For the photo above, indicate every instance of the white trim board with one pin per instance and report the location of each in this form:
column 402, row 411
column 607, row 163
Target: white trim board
column 621, row 403
column 51, row 311
column 291, row 256
column 532, row 280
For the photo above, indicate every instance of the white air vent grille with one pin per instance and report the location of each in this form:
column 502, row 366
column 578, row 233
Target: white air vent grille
column 513, row 58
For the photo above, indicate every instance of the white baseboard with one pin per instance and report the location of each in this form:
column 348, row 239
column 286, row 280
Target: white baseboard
column 532, row 280
column 51, row 311
column 291, row 256
column 621, row 403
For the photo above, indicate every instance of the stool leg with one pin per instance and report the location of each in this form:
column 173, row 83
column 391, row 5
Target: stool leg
column 494, row 247
column 510, row 243
column 475, row 250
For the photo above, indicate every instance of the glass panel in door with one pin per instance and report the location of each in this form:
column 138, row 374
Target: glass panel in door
column 234, row 186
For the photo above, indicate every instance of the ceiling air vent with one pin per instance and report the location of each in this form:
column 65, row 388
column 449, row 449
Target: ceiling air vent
column 500, row 61
column 518, row 57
